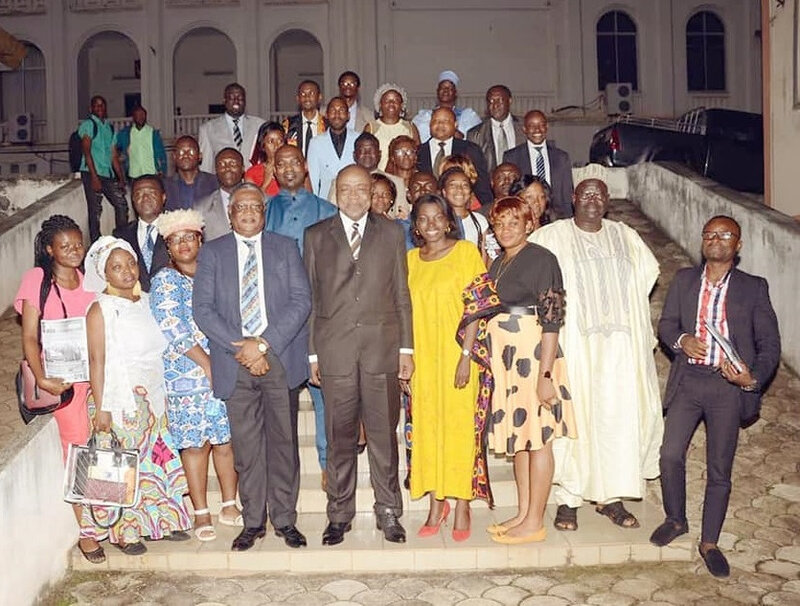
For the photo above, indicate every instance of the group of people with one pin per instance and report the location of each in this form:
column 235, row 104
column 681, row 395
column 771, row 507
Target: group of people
column 502, row 313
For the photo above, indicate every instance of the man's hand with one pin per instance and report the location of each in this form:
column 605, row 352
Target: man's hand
column 259, row 368
column 742, row 379
column 405, row 370
column 248, row 353
column 315, row 378
column 97, row 186
column 462, row 372
column 693, row 347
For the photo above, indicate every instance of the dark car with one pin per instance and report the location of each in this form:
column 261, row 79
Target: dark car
column 721, row 144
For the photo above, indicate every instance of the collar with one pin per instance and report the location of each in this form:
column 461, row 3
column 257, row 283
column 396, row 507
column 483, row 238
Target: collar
column 720, row 282
column 447, row 142
column 542, row 146
column 241, row 239
column 301, row 193
column 348, row 223
column 314, row 120
column 505, row 123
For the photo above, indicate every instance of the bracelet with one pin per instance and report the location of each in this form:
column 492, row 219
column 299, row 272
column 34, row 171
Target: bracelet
column 465, row 352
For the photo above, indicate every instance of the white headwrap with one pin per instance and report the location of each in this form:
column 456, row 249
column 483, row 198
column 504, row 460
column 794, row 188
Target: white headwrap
column 95, row 278
column 450, row 75
column 383, row 89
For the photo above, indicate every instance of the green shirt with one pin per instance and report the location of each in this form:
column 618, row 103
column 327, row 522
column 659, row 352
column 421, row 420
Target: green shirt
column 101, row 145
column 141, row 160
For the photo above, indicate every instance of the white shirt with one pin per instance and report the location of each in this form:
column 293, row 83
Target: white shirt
column 229, row 120
column 532, row 151
column 141, row 234
column 470, row 231
column 242, row 250
column 434, row 146
column 313, row 127
column 506, row 125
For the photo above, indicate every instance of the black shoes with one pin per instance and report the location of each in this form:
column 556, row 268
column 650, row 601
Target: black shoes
column 334, row 532
column 716, row 562
column 667, row 532
column 293, row 537
column 247, row 538
column 178, row 536
column 390, row 525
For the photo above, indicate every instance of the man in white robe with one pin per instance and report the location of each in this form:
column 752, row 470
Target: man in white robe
column 608, row 344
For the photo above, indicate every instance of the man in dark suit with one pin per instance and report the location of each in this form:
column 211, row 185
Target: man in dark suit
column 147, row 194
column 705, row 384
column 431, row 154
column 251, row 299
column 310, row 122
column 360, row 345
column 499, row 132
column 540, row 157
column 189, row 184
column 229, row 168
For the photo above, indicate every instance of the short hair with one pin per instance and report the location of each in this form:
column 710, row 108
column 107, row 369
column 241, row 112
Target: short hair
column 352, row 74
column 229, row 149
column 535, row 111
column 187, row 138
column 138, row 106
column 525, row 181
column 259, row 155
column 510, row 205
column 465, row 163
column 502, row 87
column 726, row 218
column 154, row 178
column 97, row 98
column 233, row 85
column 366, row 137
column 448, row 109
column 450, row 173
column 379, row 177
column 453, row 231
column 304, row 82
column 248, row 186
column 337, row 98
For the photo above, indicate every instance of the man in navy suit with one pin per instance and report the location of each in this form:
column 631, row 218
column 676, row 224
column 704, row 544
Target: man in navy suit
column 538, row 156
column 705, row 384
column 252, row 299
column 147, row 194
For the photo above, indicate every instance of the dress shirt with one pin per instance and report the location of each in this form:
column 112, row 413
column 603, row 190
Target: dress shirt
column 338, row 141
column 434, row 147
column 289, row 214
column 242, row 250
column 533, row 152
column 712, row 308
column 314, row 130
column 508, row 126
column 229, row 120
column 141, row 233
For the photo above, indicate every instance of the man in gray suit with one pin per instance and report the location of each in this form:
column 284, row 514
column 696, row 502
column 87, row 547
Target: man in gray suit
column 500, row 131
column 231, row 129
column 251, row 298
column 229, row 167
column 360, row 344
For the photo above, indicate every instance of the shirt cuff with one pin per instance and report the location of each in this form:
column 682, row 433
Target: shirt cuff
column 312, row 359
column 677, row 345
column 407, row 350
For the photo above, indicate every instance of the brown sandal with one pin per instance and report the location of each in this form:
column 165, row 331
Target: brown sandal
column 566, row 518
column 97, row 556
column 617, row 513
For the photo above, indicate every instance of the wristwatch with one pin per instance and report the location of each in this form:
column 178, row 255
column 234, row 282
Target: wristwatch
column 465, row 352
column 262, row 345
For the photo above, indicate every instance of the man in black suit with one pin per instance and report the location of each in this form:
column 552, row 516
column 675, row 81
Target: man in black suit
column 431, row 154
column 189, row 184
column 705, row 384
column 537, row 156
column 500, row 131
column 310, row 122
column 147, row 193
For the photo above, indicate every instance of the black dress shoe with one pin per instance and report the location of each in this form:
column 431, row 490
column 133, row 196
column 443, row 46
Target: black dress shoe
column 247, row 538
column 667, row 532
column 334, row 532
column 391, row 527
column 293, row 537
column 716, row 562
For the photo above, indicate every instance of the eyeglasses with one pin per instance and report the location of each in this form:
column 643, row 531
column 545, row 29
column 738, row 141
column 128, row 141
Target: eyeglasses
column 186, row 151
column 241, row 207
column 721, row 235
column 405, row 152
column 188, row 238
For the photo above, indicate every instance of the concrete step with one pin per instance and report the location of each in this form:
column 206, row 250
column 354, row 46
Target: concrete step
column 365, row 550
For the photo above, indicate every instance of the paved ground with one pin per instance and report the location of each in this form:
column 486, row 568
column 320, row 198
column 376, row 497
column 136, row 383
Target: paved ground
column 760, row 534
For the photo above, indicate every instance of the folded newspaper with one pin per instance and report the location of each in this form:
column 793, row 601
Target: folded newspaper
column 727, row 347
column 66, row 354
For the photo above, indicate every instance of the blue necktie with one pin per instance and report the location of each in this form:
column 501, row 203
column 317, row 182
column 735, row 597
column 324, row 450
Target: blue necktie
column 540, row 172
column 251, row 312
column 147, row 251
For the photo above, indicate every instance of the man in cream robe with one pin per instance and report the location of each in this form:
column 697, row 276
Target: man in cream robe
column 608, row 344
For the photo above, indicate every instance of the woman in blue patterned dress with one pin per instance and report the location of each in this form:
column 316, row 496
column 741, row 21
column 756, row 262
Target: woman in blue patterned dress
column 198, row 421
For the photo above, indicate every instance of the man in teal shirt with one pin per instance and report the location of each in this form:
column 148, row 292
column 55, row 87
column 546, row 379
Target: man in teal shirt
column 139, row 147
column 97, row 173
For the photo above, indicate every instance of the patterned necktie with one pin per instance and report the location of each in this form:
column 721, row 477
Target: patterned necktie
column 307, row 139
column 237, row 133
column 502, row 144
column 147, row 251
column 539, row 162
column 437, row 163
column 251, row 313
column 355, row 242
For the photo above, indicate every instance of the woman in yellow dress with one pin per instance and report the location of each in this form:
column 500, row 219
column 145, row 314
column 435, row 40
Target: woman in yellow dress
column 445, row 382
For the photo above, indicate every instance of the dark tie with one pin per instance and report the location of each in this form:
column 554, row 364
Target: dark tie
column 307, row 139
column 502, row 144
column 147, row 251
column 237, row 133
column 355, row 242
column 540, row 172
column 248, row 299
column 437, row 163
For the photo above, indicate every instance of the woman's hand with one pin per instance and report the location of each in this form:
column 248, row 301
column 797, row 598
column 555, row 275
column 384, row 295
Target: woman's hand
column 102, row 421
column 462, row 372
column 546, row 392
column 53, row 386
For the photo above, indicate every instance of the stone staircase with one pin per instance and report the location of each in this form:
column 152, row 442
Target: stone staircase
column 365, row 550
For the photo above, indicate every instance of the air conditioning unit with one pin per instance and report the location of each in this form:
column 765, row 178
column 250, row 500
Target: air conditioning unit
column 20, row 129
column 619, row 98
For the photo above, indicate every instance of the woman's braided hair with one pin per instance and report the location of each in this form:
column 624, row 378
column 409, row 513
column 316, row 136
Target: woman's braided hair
column 41, row 258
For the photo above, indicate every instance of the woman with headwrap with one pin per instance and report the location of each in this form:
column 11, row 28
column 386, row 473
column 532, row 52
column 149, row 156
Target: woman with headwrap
column 126, row 372
column 390, row 105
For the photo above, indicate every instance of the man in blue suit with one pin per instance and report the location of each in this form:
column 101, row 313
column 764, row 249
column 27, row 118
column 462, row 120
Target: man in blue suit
column 706, row 384
column 331, row 151
column 252, row 299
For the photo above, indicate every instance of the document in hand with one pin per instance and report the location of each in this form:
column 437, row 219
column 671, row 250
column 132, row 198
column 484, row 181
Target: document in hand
column 727, row 347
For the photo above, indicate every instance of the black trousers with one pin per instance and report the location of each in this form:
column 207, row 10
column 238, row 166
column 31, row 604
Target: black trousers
column 114, row 193
column 703, row 395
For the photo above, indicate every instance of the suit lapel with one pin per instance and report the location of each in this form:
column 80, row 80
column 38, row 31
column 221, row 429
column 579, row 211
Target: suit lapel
column 337, row 233
column 693, row 293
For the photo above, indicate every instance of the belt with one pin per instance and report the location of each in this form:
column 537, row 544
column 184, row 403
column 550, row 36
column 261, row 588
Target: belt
column 518, row 310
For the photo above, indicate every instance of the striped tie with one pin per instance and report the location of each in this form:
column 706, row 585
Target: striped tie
column 355, row 242
column 237, row 133
column 540, row 172
column 147, row 251
column 251, row 313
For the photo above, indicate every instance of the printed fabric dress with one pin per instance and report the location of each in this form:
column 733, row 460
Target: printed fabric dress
column 530, row 289
column 134, row 394
column 443, row 442
column 195, row 415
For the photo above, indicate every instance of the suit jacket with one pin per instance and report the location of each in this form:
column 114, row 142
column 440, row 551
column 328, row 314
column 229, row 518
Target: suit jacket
column 293, row 125
column 361, row 310
column 204, row 184
column 481, row 136
column 129, row 233
column 482, row 188
column 560, row 175
column 324, row 164
column 364, row 115
column 215, row 214
column 216, row 307
column 752, row 326
column 215, row 135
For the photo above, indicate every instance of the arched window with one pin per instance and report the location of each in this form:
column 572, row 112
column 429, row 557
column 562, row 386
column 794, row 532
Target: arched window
column 616, row 50
column 705, row 52
column 23, row 90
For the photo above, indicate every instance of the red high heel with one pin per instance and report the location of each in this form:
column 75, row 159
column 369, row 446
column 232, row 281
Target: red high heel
column 429, row 531
column 463, row 535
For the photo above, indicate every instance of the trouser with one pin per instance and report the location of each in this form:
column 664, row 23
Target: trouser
column 320, row 441
column 264, row 447
column 114, row 193
column 702, row 395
